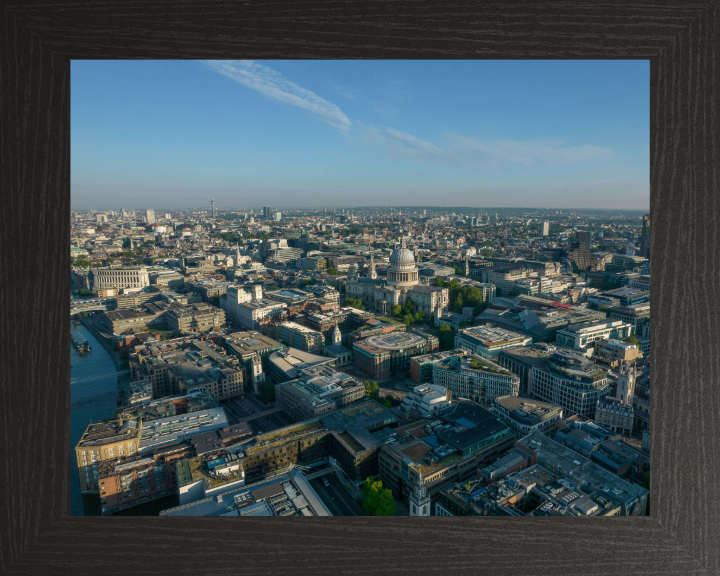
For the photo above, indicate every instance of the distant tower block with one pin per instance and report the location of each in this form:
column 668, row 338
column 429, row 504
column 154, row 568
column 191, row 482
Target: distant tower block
column 213, row 208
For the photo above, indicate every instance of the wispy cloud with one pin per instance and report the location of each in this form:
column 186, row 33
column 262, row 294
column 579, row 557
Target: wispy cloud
column 384, row 107
column 274, row 85
column 348, row 94
column 404, row 146
column 464, row 151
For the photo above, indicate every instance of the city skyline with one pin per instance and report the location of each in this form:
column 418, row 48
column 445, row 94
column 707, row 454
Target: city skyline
column 357, row 133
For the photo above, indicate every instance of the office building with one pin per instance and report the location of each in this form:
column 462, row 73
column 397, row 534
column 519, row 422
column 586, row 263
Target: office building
column 288, row 364
column 168, row 431
column 200, row 365
column 101, row 442
column 296, row 335
column 570, row 380
column 625, row 263
column 351, row 436
column 583, row 336
column 539, row 318
column 504, row 278
column 195, row 318
column 520, row 360
column 612, row 352
column 288, row 494
column 169, row 278
column 608, row 491
column 476, row 378
column 213, row 208
column 253, row 350
column 150, row 216
column 525, row 416
column 583, row 239
column 319, row 390
column 421, row 367
column 628, row 296
column 266, row 212
column 545, row 228
column 426, row 456
column 380, row 356
column 426, row 400
column 103, row 278
column 130, row 482
column 488, row 341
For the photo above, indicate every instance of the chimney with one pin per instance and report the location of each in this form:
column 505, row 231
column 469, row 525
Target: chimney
column 448, row 396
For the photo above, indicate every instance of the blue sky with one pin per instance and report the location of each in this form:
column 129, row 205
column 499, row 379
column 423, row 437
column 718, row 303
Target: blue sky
column 174, row 134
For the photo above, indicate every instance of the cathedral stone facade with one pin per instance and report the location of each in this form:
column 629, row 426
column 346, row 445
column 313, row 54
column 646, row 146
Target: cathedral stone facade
column 402, row 283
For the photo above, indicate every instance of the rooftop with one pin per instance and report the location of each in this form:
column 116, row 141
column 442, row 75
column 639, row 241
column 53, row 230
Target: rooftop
column 292, row 361
column 493, row 336
column 529, row 412
column 392, row 341
column 287, row 494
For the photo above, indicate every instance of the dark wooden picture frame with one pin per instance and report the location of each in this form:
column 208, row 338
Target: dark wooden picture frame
column 37, row 43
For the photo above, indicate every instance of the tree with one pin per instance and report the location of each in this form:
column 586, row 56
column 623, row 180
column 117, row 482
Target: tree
column 409, row 306
column 632, row 340
column 308, row 282
column 439, row 282
column 446, row 336
column 355, row 303
column 387, row 404
column 459, row 302
column 333, row 271
column 109, row 260
column 397, row 310
column 372, row 389
column 82, row 263
column 378, row 500
column 408, row 319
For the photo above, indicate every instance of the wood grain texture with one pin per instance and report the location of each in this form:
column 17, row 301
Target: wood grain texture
column 37, row 41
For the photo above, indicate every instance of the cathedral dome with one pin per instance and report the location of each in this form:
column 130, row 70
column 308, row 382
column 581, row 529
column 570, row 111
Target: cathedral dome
column 402, row 256
column 402, row 270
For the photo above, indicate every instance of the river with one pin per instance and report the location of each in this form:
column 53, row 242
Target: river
column 93, row 397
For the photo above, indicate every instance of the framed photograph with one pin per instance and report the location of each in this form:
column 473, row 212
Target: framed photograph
column 358, row 261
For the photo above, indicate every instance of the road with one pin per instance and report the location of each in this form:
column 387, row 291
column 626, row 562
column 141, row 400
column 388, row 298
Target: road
column 335, row 497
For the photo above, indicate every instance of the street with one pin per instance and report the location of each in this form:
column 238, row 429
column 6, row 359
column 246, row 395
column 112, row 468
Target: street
column 335, row 497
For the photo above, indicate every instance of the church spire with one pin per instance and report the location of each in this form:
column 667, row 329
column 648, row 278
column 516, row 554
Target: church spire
column 371, row 273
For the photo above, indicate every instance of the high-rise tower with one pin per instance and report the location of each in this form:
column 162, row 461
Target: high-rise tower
column 645, row 237
column 213, row 208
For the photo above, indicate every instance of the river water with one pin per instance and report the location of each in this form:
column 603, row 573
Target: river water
column 93, row 397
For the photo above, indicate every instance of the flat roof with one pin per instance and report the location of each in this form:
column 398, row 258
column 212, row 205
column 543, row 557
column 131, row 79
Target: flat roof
column 394, row 340
column 492, row 335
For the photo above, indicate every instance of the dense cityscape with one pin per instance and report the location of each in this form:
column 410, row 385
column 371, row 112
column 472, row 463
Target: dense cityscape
column 384, row 361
